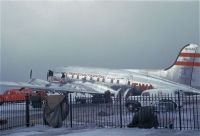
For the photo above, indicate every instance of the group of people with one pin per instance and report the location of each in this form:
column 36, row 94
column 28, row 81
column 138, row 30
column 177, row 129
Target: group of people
column 50, row 77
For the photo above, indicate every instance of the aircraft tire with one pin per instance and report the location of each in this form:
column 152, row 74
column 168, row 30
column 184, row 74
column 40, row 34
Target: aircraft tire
column 133, row 106
column 1, row 103
column 169, row 104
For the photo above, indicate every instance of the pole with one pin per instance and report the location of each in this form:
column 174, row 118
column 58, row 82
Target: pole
column 179, row 111
column 27, row 111
column 120, row 104
column 70, row 106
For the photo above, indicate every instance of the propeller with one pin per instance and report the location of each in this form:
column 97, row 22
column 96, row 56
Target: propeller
column 31, row 74
column 47, row 75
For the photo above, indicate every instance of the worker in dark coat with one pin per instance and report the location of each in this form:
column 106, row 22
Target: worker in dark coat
column 107, row 96
column 145, row 117
column 63, row 78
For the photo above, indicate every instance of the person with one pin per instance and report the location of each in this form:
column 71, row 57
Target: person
column 145, row 117
column 63, row 78
column 107, row 96
column 50, row 75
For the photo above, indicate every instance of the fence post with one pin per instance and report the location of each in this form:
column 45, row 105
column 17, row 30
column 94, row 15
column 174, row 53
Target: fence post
column 179, row 111
column 70, row 106
column 120, row 104
column 27, row 110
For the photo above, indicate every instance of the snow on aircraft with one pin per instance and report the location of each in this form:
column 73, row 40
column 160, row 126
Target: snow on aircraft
column 183, row 75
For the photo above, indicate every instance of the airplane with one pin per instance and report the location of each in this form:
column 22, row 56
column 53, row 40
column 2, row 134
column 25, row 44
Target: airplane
column 183, row 74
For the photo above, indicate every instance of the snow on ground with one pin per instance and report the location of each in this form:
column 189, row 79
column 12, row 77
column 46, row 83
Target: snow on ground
column 48, row 131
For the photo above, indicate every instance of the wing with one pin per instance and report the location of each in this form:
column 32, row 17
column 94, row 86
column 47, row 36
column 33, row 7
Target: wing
column 45, row 85
column 99, row 87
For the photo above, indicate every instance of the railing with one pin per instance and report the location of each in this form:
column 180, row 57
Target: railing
column 182, row 112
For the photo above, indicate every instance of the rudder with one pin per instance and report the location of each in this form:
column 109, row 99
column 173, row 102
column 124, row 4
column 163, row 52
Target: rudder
column 186, row 68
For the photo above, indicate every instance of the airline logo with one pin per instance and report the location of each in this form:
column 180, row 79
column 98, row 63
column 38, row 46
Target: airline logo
column 142, row 86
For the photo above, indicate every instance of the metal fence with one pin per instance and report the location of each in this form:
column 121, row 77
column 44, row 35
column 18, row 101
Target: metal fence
column 182, row 112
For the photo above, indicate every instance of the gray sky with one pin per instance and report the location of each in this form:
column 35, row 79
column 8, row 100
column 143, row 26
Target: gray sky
column 42, row 35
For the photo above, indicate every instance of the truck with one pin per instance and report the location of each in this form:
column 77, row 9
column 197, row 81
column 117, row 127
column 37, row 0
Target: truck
column 161, row 99
column 19, row 95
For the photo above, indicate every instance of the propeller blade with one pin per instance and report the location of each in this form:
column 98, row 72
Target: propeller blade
column 31, row 74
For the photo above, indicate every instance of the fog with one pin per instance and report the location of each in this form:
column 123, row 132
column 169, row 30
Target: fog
column 116, row 34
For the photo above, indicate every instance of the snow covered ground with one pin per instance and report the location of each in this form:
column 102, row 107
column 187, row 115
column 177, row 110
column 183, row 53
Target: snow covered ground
column 48, row 131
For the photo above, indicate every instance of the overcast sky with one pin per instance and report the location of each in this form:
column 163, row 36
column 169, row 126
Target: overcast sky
column 42, row 35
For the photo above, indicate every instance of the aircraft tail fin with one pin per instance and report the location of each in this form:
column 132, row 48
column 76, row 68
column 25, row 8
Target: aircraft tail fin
column 186, row 68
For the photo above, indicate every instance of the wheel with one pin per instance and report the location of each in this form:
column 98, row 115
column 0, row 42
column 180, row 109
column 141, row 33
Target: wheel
column 1, row 100
column 44, row 116
column 133, row 106
column 81, row 100
column 167, row 105
column 1, row 103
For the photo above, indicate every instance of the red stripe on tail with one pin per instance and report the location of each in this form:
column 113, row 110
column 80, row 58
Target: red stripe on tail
column 189, row 64
column 194, row 55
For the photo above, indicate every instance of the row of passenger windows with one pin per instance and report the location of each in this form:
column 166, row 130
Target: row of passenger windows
column 97, row 79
